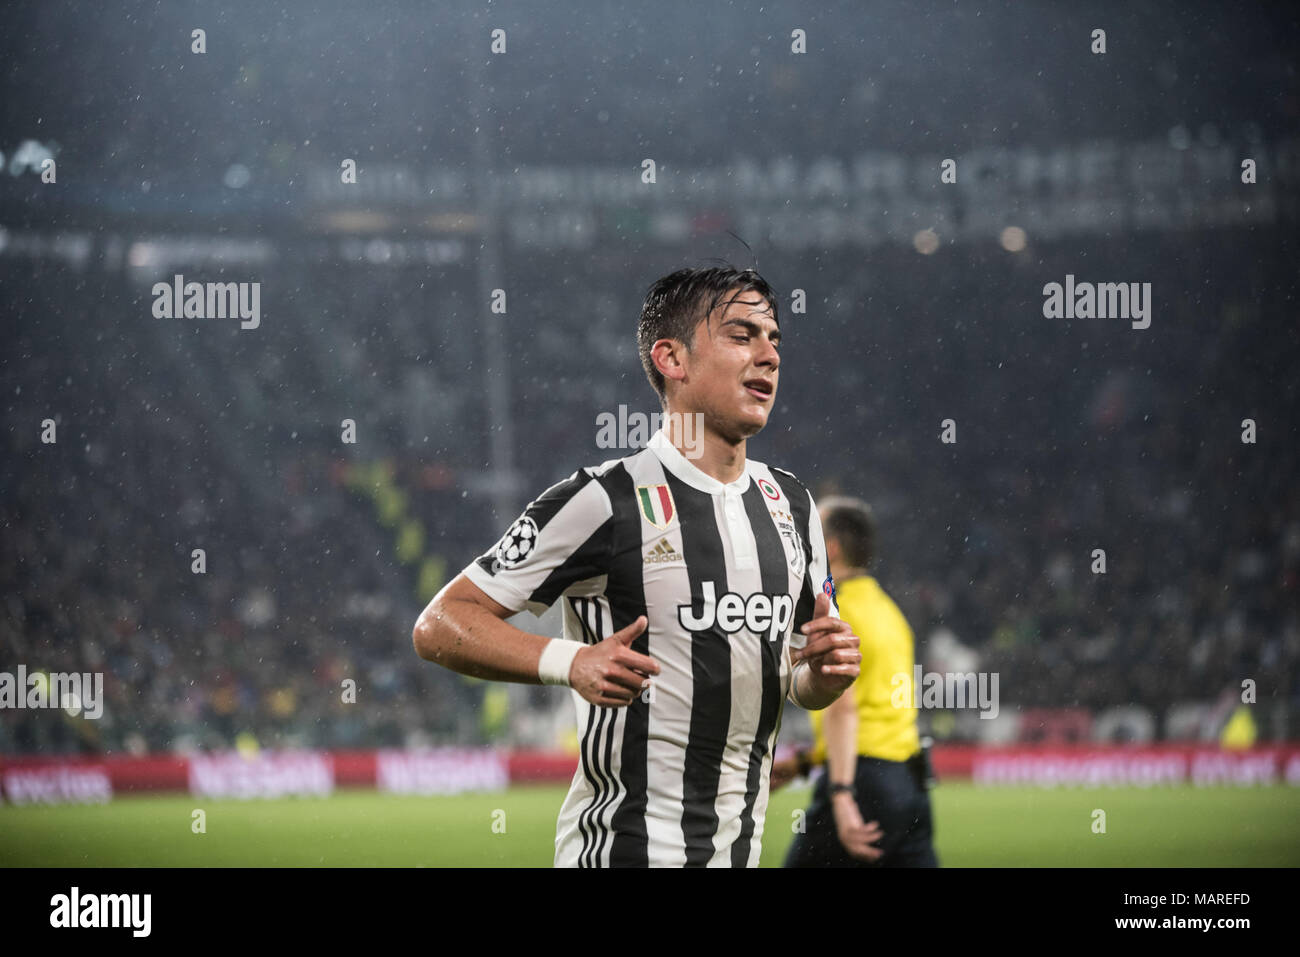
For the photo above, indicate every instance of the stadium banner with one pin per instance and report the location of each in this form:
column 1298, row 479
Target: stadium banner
column 72, row 779
column 441, row 771
column 26, row 780
column 267, row 774
column 57, row 784
column 1121, row 765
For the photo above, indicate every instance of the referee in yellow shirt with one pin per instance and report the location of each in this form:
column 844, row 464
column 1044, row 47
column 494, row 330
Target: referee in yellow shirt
column 876, row 770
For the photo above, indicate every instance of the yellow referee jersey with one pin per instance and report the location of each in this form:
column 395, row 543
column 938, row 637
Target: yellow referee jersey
column 884, row 731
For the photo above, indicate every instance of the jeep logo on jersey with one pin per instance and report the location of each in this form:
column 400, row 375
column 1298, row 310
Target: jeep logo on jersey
column 758, row 613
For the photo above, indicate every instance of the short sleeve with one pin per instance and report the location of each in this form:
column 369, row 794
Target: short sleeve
column 562, row 538
column 818, row 579
column 816, row 576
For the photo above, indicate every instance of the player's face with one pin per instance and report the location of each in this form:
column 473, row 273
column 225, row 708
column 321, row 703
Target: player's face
column 732, row 367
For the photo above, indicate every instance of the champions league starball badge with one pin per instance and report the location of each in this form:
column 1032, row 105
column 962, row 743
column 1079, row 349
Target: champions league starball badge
column 517, row 543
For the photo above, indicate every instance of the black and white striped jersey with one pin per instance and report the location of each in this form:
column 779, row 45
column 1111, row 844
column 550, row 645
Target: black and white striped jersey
column 725, row 575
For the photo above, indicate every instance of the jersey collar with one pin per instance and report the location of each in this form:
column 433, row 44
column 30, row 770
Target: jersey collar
column 681, row 466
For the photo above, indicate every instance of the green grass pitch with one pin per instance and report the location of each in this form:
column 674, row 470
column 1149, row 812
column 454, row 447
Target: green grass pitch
column 1000, row 827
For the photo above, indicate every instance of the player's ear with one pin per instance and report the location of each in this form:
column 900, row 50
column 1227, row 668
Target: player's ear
column 668, row 355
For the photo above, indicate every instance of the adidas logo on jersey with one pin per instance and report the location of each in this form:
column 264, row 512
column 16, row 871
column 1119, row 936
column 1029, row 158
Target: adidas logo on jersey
column 759, row 613
column 662, row 552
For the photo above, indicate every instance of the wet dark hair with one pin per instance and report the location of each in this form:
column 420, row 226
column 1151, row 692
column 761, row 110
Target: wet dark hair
column 677, row 303
column 851, row 522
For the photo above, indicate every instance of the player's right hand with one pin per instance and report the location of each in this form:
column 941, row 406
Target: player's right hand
column 610, row 674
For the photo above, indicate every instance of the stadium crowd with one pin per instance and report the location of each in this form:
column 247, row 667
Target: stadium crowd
column 1071, row 436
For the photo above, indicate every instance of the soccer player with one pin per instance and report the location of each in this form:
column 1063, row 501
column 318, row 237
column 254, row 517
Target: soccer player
column 695, row 598
column 875, row 769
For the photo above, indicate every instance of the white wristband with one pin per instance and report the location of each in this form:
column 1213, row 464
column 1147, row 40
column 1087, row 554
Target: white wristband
column 557, row 659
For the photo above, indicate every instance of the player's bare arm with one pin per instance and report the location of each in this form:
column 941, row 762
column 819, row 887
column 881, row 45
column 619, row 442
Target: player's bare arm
column 465, row 630
column 831, row 658
column 841, row 729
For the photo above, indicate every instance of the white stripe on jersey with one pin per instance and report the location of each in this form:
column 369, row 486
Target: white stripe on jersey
column 746, row 671
column 669, row 718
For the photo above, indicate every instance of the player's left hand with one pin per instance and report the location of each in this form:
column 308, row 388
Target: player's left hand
column 832, row 650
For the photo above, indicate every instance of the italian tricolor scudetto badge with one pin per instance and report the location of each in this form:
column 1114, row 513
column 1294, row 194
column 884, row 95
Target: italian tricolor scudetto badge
column 656, row 504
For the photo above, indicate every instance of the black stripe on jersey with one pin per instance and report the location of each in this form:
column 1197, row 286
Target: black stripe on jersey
column 797, row 496
column 613, row 792
column 600, row 728
column 543, row 508
column 578, row 605
column 595, row 722
column 582, row 609
column 586, row 561
column 604, row 767
column 775, row 576
column 625, row 591
column 710, row 674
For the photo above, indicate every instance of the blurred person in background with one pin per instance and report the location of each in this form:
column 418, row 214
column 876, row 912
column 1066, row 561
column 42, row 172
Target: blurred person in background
column 872, row 806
